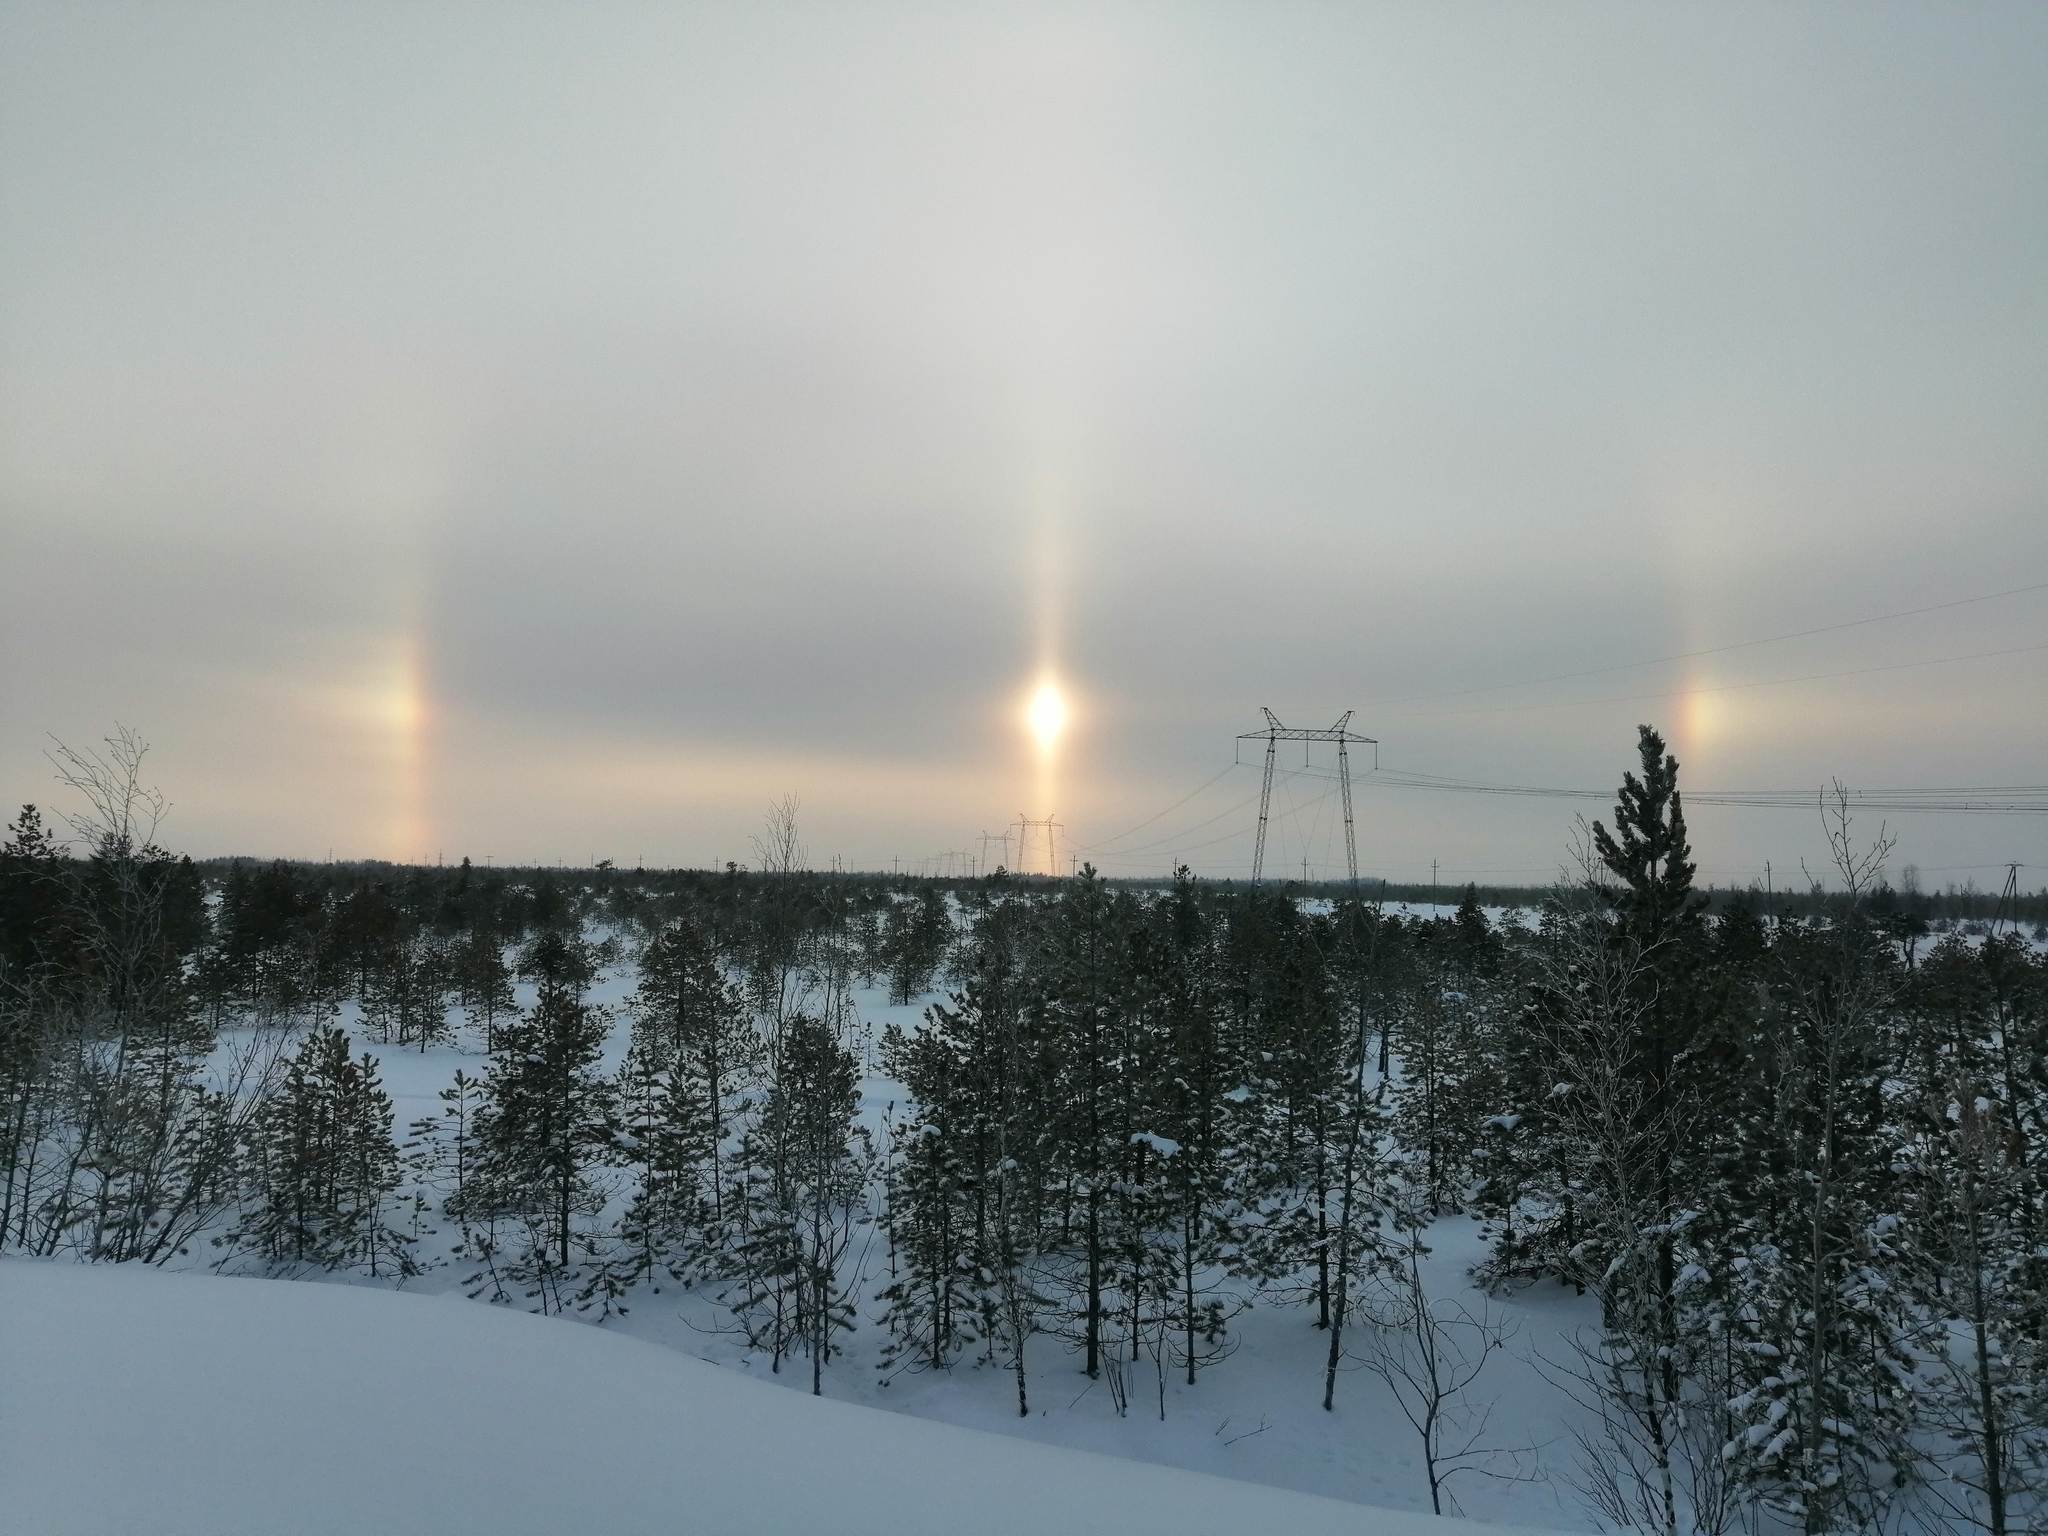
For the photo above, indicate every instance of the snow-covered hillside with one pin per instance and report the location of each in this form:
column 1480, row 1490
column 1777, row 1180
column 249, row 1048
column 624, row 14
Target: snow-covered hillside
column 137, row 1401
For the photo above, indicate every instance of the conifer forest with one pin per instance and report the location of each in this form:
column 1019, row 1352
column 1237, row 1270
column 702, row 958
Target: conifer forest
column 1793, row 1152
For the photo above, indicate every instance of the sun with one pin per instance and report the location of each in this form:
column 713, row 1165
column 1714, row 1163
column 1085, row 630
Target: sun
column 1047, row 714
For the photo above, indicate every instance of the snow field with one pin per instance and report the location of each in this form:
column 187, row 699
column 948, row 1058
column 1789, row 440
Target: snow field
column 175, row 1404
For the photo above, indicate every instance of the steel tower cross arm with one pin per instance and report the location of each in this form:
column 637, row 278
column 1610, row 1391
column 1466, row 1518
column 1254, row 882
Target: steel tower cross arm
column 1340, row 732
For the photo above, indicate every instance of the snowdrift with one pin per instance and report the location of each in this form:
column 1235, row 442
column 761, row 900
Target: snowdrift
column 137, row 1401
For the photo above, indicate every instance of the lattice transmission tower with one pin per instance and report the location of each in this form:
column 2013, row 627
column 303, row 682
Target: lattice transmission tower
column 2008, row 900
column 1028, row 832
column 1002, row 837
column 1343, row 736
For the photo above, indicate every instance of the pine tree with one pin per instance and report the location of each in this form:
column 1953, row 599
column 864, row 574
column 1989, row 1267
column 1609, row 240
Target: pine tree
column 545, row 1126
column 1448, row 1031
column 324, row 1162
column 1189, row 1074
column 264, row 958
column 1296, row 1119
column 145, row 1155
column 915, row 937
column 935, row 1188
column 1648, row 851
column 805, row 1168
column 444, row 1147
column 1081, row 1007
column 1629, row 1026
column 1827, row 1423
column 1967, row 1272
column 361, row 941
column 36, row 950
column 693, row 1060
column 406, row 999
column 482, row 980
column 1971, row 1203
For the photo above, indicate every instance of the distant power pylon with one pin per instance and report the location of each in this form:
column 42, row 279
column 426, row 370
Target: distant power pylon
column 1002, row 837
column 1273, row 735
column 2008, row 900
column 1047, row 829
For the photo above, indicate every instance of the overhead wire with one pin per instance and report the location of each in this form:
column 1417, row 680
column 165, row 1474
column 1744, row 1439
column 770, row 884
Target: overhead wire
column 1314, row 837
column 2010, row 799
column 1982, row 800
column 1141, row 826
column 1180, row 847
column 1198, row 826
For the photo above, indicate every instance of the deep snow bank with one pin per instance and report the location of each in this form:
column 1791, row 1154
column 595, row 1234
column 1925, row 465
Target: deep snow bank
column 136, row 1401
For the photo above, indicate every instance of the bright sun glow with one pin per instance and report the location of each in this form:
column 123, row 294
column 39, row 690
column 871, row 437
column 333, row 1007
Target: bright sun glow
column 1047, row 714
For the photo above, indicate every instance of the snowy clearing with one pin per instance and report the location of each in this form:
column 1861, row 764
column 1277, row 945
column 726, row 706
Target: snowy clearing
column 142, row 1401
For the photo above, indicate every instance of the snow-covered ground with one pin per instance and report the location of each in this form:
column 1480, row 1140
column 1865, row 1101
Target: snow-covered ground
column 399, row 1413
column 1255, row 1416
column 137, row 1401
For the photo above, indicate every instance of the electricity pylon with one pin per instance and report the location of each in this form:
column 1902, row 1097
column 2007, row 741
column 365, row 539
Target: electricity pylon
column 1273, row 735
column 1051, row 830
column 1002, row 837
column 2008, row 901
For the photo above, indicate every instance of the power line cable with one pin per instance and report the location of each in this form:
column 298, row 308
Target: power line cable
column 1141, row 826
column 1228, row 836
column 1174, row 839
column 1185, row 831
column 1928, row 800
column 1996, row 799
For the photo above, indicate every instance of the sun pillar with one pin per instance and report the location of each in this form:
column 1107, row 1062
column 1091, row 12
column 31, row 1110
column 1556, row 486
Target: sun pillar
column 1046, row 712
column 411, row 823
column 1046, row 715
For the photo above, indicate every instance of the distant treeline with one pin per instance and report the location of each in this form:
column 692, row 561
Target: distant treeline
column 592, row 887
column 1955, row 903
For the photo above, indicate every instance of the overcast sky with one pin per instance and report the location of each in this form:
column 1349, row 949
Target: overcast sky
column 553, row 431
